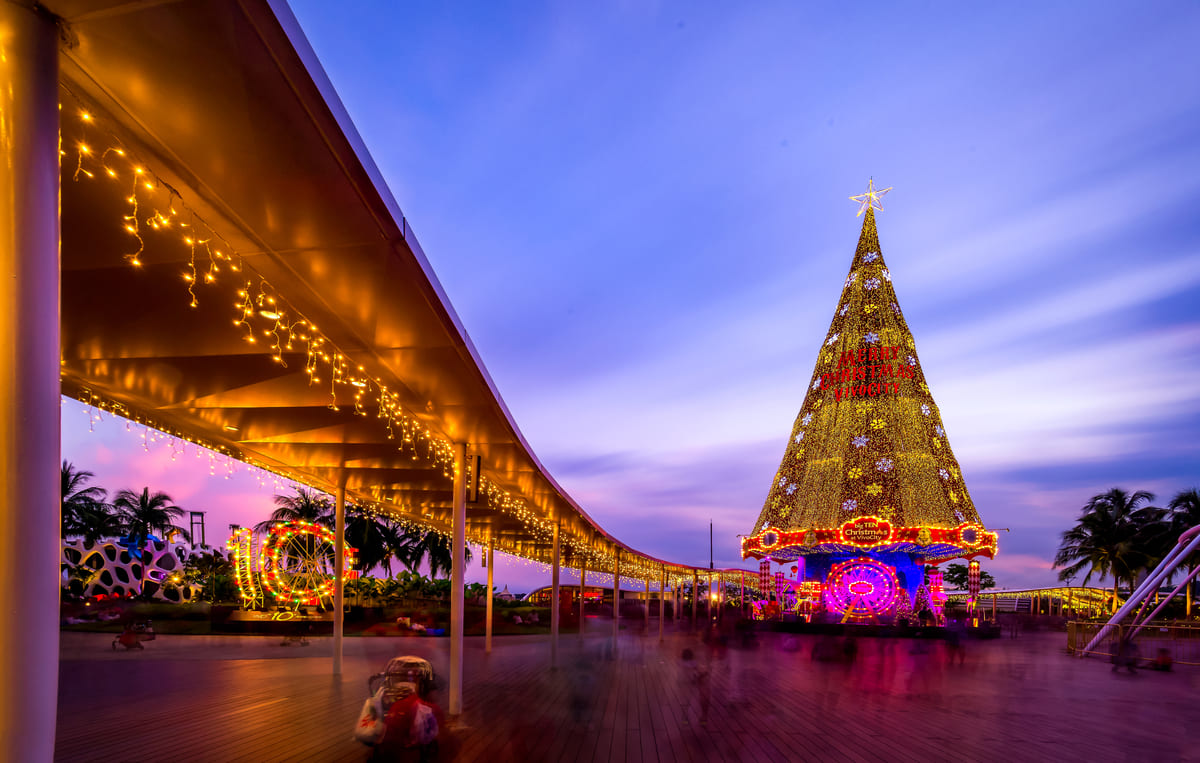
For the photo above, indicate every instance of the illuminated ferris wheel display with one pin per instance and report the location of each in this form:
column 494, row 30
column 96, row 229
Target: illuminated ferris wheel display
column 862, row 588
column 297, row 562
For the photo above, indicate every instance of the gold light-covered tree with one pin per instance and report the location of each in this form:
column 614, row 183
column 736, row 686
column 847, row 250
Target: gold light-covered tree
column 868, row 465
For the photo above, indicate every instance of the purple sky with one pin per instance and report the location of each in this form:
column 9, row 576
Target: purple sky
column 639, row 211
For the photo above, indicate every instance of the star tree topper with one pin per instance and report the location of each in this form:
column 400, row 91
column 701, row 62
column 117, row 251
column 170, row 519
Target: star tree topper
column 871, row 198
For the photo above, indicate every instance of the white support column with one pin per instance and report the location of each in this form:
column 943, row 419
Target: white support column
column 720, row 599
column 662, row 601
column 647, row 622
column 678, row 602
column 458, row 547
column 339, row 570
column 616, row 595
column 708, row 601
column 554, row 599
column 30, row 498
column 743, row 599
column 695, row 595
column 491, row 568
column 582, row 588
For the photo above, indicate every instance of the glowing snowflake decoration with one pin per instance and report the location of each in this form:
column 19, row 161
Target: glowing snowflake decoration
column 783, row 481
column 853, row 277
column 798, row 437
column 791, row 488
column 886, row 275
column 874, row 489
column 845, row 309
column 871, row 257
column 871, row 337
column 849, row 505
column 958, row 516
column 854, row 473
column 940, row 432
column 832, row 339
column 807, row 419
column 924, row 409
column 896, row 308
column 944, row 474
column 885, row 464
column 870, row 308
column 954, row 496
column 878, row 423
column 871, row 284
column 911, row 360
column 817, row 383
column 860, row 441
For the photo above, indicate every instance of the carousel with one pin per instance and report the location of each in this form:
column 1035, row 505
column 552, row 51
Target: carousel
column 868, row 499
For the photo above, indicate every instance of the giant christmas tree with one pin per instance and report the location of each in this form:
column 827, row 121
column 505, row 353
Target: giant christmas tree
column 868, row 491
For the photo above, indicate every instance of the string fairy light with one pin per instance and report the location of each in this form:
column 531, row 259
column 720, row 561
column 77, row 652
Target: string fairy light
column 154, row 208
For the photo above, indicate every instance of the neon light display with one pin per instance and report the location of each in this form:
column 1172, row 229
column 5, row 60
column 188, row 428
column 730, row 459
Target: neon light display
column 295, row 564
column 861, row 588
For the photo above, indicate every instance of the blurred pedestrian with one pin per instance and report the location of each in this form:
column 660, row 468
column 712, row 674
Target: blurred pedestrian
column 1127, row 655
column 1162, row 660
column 694, row 680
column 955, row 635
column 582, row 682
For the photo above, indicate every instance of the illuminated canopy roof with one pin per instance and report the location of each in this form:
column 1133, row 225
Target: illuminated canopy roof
column 868, row 464
column 215, row 191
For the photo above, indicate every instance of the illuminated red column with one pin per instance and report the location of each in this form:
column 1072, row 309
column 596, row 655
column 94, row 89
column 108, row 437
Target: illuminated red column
column 972, row 584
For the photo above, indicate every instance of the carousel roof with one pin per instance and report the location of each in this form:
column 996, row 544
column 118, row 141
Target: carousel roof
column 868, row 464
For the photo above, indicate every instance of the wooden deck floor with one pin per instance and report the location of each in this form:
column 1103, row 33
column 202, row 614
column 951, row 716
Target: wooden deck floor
column 247, row 699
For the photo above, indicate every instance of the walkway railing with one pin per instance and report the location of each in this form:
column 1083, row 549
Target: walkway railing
column 1183, row 641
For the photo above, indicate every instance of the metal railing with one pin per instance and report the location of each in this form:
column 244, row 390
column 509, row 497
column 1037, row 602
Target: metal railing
column 1182, row 641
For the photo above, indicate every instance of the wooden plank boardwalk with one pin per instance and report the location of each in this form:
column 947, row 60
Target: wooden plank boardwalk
column 251, row 699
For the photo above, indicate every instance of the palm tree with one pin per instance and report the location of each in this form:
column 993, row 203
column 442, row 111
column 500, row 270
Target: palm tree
column 84, row 508
column 416, row 546
column 95, row 522
column 143, row 513
column 395, row 542
column 208, row 569
column 372, row 536
column 306, row 505
column 1185, row 514
column 1109, row 538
